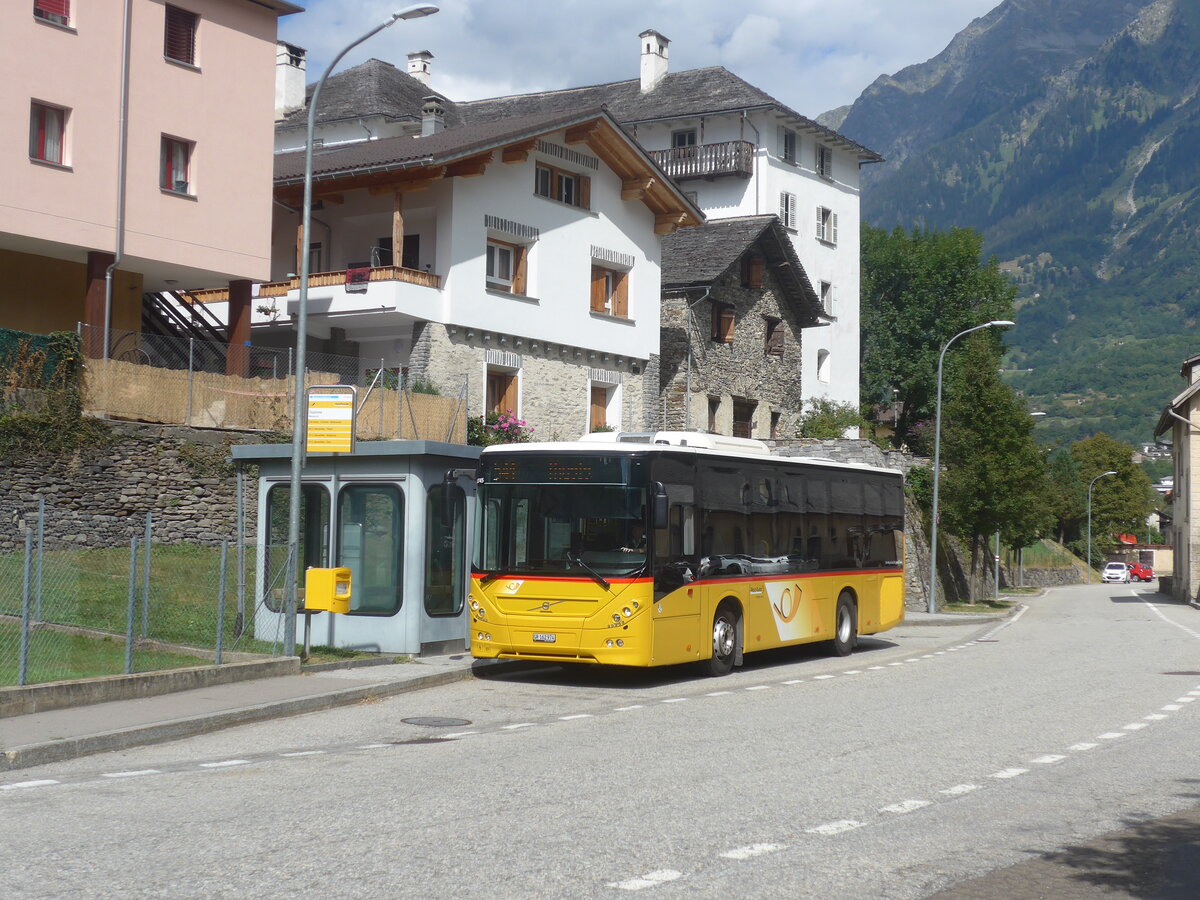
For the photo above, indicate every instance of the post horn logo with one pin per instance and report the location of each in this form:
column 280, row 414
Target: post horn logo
column 788, row 605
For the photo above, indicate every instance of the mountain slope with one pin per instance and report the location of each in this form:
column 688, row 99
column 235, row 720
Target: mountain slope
column 1077, row 153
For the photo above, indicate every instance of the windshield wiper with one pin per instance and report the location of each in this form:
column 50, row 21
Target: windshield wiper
column 575, row 558
column 489, row 577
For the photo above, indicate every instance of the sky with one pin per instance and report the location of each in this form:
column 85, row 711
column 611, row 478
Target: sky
column 812, row 55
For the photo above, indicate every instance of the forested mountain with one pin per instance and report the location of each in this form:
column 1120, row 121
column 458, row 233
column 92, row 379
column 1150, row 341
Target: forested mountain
column 1068, row 133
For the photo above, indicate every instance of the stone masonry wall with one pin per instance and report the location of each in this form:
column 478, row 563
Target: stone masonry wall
column 100, row 497
column 554, row 379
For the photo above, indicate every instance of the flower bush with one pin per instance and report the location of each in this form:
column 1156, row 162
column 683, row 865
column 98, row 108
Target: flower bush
column 498, row 428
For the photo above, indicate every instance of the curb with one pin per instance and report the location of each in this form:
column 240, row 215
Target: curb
column 57, row 751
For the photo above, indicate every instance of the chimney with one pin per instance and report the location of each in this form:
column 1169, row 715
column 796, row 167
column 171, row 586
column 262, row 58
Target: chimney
column 289, row 78
column 654, row 58
column 433, row 116
column 418, row 66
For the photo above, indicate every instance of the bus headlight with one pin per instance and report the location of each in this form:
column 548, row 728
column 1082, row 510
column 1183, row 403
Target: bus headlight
column 608, row 643
column 481, row 613
column 627, row 611
column 616, row 617
column 620, row 643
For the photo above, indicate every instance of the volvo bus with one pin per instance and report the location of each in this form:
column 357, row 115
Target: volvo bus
column 676, row 547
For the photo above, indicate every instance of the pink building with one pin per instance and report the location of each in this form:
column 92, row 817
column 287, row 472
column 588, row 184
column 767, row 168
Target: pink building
column 172, row 175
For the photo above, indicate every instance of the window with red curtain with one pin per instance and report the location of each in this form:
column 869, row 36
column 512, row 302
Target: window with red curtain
column 179, row 41
column 46, row 127
column 174, row 164
column 57, row 11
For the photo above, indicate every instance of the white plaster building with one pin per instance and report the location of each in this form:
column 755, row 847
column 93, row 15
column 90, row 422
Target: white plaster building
column 1181, row 420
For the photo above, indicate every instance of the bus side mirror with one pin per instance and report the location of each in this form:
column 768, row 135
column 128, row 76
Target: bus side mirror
column 660, row 506
column 449, row 482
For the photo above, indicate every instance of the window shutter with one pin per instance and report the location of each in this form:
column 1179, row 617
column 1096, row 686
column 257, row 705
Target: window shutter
column 790, row 219
column 756, row 272
column 520, row 254
column 783, row 204
column 621, row 295
column 820, row 224
column 180, row 35
column 52, row 8
column 775, row 337
column 722, row 323
column 598, row 297
column 585, row 192
column 833, row 228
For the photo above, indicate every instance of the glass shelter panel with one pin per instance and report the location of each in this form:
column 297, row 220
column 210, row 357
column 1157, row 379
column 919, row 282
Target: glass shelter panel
column 371, row 545
column 314, row 538
column 445, row 524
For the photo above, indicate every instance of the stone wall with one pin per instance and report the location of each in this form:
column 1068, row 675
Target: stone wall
column 554, row 380
column 740, row 369
column 100, row 497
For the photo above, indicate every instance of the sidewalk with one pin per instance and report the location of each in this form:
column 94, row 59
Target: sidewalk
column 41, row 737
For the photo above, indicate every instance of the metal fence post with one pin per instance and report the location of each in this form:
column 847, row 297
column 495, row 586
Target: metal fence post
column 23, row 665
column 239, row 625
column 221, row 602
column 191, row 356
column 292, row 376
column 129, row 615
column 146, row 576
column 381, row 389
column 41, row 541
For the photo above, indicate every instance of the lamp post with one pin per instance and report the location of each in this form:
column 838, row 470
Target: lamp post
column 1089, row 518
column 292, row 582
column 937, row 453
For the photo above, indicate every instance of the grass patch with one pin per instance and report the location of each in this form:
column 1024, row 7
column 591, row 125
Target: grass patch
column 978, row 607
column 60, row 656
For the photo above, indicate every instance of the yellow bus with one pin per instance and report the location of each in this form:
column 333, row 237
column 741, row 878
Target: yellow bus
column 676, row 547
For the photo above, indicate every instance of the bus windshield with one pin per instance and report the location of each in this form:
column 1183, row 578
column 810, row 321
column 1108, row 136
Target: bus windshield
column 560, row 522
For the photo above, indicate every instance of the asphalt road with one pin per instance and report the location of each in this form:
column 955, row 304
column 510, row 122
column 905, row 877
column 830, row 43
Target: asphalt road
column 927, row 762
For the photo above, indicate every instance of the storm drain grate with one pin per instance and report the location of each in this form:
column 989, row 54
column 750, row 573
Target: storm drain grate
column 436, row 721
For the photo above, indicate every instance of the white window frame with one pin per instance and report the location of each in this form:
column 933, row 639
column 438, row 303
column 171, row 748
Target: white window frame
column 823, row 365
column 827, row 226
column 824, row 162
column 789, row 145
column 827, row 297
column 787, row 209
column 494, row 273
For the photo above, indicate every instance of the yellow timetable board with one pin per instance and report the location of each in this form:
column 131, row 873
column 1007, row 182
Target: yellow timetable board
column 330, row 419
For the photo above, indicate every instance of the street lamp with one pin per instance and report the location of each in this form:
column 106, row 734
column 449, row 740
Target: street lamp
column 937, row 452
column 292, row 583
column 1089, row 518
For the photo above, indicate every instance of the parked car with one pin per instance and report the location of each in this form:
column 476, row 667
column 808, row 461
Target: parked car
column 1116, row 572
column 1140, row 572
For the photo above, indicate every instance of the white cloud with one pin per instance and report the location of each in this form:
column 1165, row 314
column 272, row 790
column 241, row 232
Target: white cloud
column 810, row 54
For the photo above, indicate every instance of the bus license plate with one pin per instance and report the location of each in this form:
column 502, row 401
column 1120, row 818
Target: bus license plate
column 545, row 638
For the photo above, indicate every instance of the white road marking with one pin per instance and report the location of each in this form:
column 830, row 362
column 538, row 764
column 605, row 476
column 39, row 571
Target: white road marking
column 674, row 700
column 835, row 827
column 224, row 763
column 718, row 694
column 639, row 706
column 1048, row 760
column 650, row 879
column 874, row 668
column 1008, row 773
column 896, row 664
column 1111, row 735
column 823, row 677
column 1154, row 717
column 1135, row 726
column 576, row 716
column 1172, row 707
column 458, row 734
column 518, row 725
column 905, row 806
column 959, row 789
column 913, row 659
column 1084, row 746
column 852, row 672
column 791, row 681
column 758, row 687
column 41, row 782
column 1185, row 699
column 927, row 656
column 132, row 774
column 751, row 851
column 371, row 746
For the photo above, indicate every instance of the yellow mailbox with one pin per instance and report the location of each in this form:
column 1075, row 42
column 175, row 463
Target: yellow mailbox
column 327, row 590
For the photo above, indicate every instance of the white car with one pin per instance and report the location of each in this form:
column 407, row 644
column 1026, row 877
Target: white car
column 1116, row 572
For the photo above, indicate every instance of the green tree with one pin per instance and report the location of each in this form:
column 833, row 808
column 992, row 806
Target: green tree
column 919, row 289
column 1121, row 502
column 825, row 419
column 995, row 476
column 1066, row 495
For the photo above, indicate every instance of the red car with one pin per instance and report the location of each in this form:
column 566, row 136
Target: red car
column 1140, row 572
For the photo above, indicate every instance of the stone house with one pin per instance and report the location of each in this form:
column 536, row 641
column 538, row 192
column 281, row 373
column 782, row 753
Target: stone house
column 1181, row 420
column 736, row 301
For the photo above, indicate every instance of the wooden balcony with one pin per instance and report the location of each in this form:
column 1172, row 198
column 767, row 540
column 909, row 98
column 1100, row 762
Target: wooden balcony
column 324, row 279
column 707, row 160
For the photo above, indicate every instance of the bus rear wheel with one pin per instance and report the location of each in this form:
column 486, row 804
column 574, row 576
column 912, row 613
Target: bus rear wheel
column 724, row 640
column 845, row 628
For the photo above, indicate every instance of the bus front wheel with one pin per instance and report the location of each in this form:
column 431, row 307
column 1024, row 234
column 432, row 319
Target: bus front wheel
column 724, row 640
column 845, row 630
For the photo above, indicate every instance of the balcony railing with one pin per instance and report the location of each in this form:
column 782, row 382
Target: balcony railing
column 325, row 279
column 707, row 160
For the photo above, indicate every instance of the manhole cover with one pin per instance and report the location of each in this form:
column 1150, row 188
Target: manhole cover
column 436, row 721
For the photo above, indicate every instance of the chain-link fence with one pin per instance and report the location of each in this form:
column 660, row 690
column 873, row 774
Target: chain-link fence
column 84, row 595
column 209, row 384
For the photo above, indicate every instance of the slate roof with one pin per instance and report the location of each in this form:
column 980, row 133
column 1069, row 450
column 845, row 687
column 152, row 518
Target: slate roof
column 692, row 92
column 445, row 146
column 372, row 88
column 696, row 257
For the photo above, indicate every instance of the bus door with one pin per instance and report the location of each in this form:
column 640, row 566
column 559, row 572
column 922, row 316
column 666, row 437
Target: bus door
column 677, row 601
